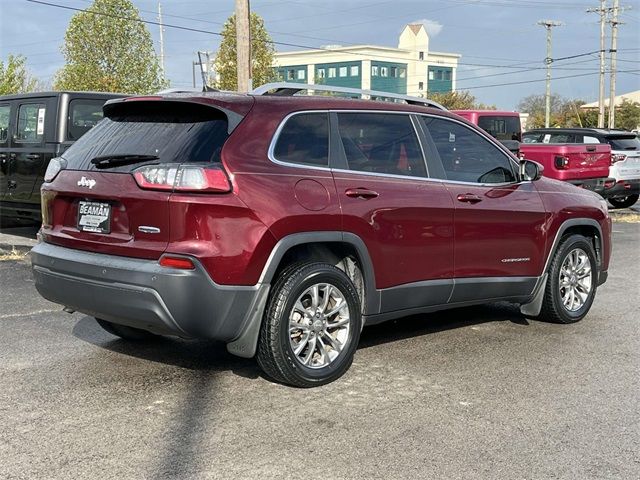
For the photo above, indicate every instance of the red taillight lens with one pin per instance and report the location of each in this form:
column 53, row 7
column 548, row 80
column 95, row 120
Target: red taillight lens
column 177, row 262
column 617, row 157
column 185, row 178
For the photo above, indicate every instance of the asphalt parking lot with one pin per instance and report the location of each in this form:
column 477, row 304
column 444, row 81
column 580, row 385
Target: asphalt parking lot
column 471, row 393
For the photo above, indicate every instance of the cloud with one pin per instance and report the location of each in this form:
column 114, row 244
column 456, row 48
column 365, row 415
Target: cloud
column 433, row 27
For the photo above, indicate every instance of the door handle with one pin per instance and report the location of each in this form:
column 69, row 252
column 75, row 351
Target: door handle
column 469, row 198
column 12, row 184
column 3, row 156
column 33, row 156
column 360, row 193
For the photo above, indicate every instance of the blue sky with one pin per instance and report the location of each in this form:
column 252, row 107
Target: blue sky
column 499, row 40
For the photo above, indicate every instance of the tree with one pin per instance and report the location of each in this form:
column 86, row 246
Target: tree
column 628, row 115
column 108, row 49
column 262, row 54
column 14, row 77
column 462, row 100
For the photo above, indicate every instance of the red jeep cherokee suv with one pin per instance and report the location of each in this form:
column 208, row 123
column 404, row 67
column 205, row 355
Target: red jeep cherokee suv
column 282, row 225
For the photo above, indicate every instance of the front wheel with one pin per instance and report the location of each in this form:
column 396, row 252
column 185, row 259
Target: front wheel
column 624, row 202
column 311, row 326
column 572, row 282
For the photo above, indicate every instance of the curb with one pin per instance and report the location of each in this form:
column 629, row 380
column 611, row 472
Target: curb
column 6, row 248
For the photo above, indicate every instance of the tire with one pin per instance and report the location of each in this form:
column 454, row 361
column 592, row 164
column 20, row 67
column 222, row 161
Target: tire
column 570, row 274
column 126, row 333
column 624, row 202
column 321, row 348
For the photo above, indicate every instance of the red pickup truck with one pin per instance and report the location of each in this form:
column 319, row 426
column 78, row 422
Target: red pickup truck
column 583, row 165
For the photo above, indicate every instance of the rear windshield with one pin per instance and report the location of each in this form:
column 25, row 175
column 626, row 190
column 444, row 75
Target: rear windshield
column 624, row 143
column 501, row 127
column 175, row 132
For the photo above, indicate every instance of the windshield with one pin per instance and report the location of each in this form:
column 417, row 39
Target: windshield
column 166, row 132
column 501, row 127
column 624, row 143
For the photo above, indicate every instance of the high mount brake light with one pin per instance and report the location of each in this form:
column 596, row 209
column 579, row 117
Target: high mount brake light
column 184, row 178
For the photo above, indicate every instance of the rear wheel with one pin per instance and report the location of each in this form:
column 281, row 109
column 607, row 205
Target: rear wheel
column 624, row 202
column 311, row 326
column 124, row 332
column 572, row 282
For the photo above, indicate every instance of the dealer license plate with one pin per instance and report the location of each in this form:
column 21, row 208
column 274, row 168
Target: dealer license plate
column 94, row 217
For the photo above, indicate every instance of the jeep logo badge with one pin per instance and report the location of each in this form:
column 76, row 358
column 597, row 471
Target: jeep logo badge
column 86, row 182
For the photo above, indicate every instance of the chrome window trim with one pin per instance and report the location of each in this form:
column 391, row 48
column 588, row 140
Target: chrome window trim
column 276, row 136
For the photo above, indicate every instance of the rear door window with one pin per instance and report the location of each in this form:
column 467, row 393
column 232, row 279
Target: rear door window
column 175, row 132
column 466, row 156
column 304, row 139
column 83, row 115
column 381, row 143
column 30, row 128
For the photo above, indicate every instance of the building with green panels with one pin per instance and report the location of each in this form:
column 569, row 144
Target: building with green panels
column 389, row 77
column 409, row 69
column 439, row 79
column 339, row 74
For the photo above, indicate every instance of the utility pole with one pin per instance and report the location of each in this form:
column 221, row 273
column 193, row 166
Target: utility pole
column 161, row 40
column 243, row 46
column 602, row 11
column 614, row 50
column 548, row 24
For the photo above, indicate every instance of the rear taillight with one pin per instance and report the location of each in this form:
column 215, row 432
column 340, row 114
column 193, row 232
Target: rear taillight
column 176, row 262
column 184, row 178
column 617, row 157
column 561, row 162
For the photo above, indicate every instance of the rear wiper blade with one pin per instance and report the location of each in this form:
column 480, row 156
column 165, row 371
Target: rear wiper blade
column 106, row 161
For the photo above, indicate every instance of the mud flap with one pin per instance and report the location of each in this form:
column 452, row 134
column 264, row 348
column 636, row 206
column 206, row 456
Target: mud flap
column 533, row 308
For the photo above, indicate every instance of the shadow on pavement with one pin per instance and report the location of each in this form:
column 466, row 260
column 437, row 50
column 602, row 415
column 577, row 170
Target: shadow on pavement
column 210, row 355
column 202, row 355
column 425, row 324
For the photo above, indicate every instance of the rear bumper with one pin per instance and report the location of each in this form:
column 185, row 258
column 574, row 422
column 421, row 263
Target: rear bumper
column 622, row 188
column 142, row 294
column 596, row 185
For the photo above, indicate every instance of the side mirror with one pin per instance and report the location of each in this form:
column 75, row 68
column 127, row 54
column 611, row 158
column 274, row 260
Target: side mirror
column 530, row 170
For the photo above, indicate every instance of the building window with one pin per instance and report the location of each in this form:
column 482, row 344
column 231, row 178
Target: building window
column 420, row 55
column 332, row 72
column 430, row 74
column 355, row 71
column 374, row 70
column 321, row 73
column 301, row 75
column 384, row 71
column 420, row 85
column 291, row 74
column 343, row 71
column 403, row 73
column 447, row 75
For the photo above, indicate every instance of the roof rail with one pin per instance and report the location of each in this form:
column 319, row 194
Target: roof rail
column 290, row 89
column 187, row 90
